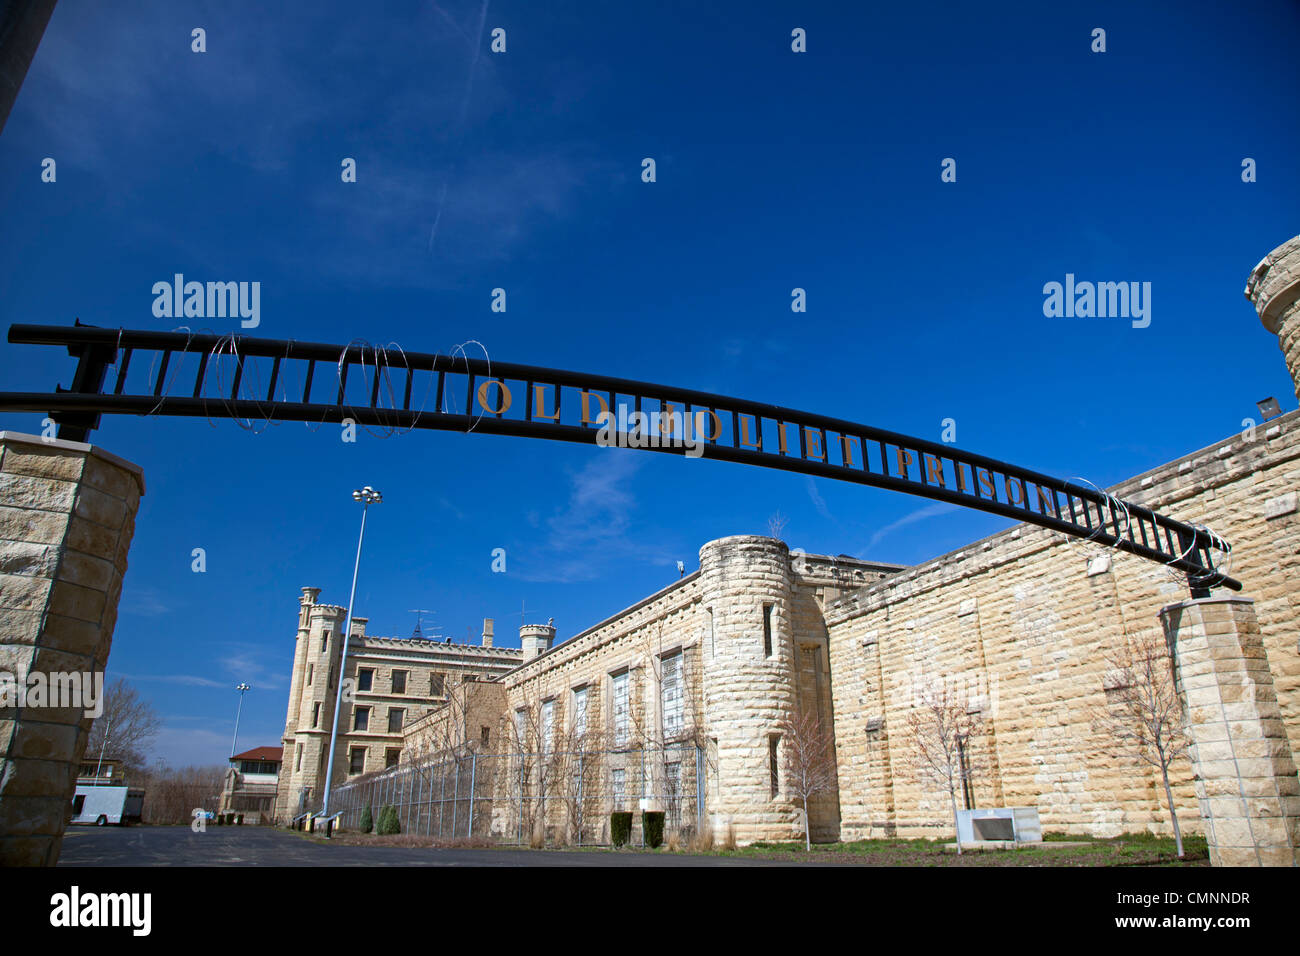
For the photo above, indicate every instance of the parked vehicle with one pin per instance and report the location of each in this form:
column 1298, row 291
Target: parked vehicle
column 100, row 806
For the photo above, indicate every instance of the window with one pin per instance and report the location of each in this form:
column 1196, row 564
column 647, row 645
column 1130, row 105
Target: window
column 579, row 711
column 485, row 735
column 399, row 682
column 315, row 714
column 297, row 760
column 671, row 693
column 469, row 678
column 357, row 760
column 361, row 719
column 618, row 779
column 773, row 761
column 710, row 610
column 521, row 727
column 673, row 784
column 548, row 723
column 365, row 678
column 436, row 684
column 78, row 802
column 391, row 756
column 311, row 670
column 619, row 691
column 767, row 630
column 395, row 715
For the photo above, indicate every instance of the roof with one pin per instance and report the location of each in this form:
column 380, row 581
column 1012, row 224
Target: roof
column 261, row 753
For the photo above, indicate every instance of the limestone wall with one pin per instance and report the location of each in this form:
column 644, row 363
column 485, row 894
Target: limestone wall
column 1026, row 619
column 67, row 514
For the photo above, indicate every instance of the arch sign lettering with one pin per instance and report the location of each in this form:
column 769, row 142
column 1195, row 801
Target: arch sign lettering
column 258, row 379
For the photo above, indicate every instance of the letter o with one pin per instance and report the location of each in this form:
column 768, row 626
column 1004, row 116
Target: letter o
column 505, row 397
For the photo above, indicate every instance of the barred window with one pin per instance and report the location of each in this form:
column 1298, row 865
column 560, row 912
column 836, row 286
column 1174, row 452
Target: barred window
column 618, row 781
column 579, row 711
column 357, row 763
column 395, row 715
column 399, row 682
column 361, row 719
column 548, row 723
column 365, row 678
column 619, row 690
column 671, row 693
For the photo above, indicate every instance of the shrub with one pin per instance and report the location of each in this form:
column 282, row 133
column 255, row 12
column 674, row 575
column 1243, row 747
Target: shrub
column 219, row 819
column 652, row 826
column 239, row 819
column 367, row 820
column 388, row 822
column 620, row 827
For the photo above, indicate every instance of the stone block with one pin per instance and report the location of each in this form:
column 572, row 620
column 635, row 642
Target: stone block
column 100, row 508
column 23, row 593
column 26, row 524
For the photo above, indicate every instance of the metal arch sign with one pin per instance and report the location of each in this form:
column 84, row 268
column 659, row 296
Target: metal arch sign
column 394, row 389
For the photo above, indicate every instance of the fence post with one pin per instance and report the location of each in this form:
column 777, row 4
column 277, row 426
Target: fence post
column 442, row 795
column 473, row 770
column 580, row 806
column 699, row 789
column 455, row 800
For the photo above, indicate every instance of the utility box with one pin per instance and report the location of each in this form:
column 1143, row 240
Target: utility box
column 999, row 825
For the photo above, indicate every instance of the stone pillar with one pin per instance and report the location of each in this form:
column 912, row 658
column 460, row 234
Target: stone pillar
column 1246, row 781
column 1274, row 289
column 67, row 513
column 748, row 692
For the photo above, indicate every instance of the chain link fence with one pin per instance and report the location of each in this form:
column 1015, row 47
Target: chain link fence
column 554, row 798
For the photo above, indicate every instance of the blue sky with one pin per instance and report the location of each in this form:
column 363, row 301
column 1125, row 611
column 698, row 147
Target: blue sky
column 522, row 171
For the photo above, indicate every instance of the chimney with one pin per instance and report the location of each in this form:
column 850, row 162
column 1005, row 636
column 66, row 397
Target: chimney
column 487, row 632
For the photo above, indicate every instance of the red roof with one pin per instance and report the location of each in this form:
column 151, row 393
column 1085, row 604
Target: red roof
column 262, row 753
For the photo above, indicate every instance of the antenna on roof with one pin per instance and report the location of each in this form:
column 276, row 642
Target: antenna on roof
column 418, row 633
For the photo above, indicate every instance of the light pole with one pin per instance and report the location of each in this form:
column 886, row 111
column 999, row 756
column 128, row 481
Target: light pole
column 242, row 688
column 367, row 496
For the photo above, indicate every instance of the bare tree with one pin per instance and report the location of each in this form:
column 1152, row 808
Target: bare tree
column 172, row 795
column 1143, row 714
column 776, row 524
column 128, row 722
column 808, row 762
column 941, row 726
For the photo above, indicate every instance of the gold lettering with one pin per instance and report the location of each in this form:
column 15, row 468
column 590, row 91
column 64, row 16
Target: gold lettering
column 504, row 396
column 961, row 475
column 1046, row 500
column 586, row 406
column 669, row 417
column 699, row 424
column 1015, row 499
column 986, row 482
column 780, row 436
column 934, row 470
column 848, row 450
column 538, row 392
column 904, row 459
column 744, row 434
column 811, row 435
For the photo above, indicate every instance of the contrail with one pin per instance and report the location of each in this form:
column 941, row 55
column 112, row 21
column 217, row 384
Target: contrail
column 477, row 49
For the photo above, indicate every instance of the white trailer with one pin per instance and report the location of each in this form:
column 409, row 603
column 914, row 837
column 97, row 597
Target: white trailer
column 101, row 806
